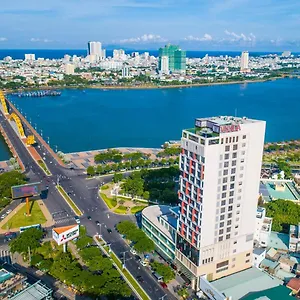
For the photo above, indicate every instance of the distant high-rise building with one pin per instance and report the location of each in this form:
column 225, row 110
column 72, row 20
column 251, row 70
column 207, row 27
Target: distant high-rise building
column 245, row 61
column 95, row 48
column 286, row 54
column 69, row 69
column 125, row 72
column 220, row 166
column 164, row 65
column 118, row 54
column 29, row 57
column 176, row 58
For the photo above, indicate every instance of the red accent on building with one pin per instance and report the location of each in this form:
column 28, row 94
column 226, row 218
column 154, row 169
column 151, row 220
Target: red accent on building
column 202, row 171
column 182, row 229
column 190, row 169
column 194, row 155
column 193, row 237
column 193, row 214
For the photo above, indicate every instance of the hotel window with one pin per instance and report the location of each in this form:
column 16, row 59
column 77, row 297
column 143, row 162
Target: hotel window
column 233, row 171
column 225, row 172
column 234, row 155
column 226, row 164
column 230, row 200
column 222, row 217
column 224, row 187
column 230, row 140
column 248, row 254
column 244, row 136
column 223, row 202
column 227, row 236
column 244, row 145
column 233, row 139
column 221, row 231
column 223, row 195
column 232, row 178
column 243, row 152
column 248, row 260
column 228, row 229
column 222, row 210
column 242, row 160
column 235, row 242
column 228, row 222
column 226, row 141
column 230, row 208
column 229, row 216
column 237, row 139
column 233, row 163
column 231, row 193
column 225, row 180
column 227, row 148
column 222, row 140
column 226, row 156
column 232, row 186
column 221, row 157
column 220, row 239
column 221, row 224
column 235, row 146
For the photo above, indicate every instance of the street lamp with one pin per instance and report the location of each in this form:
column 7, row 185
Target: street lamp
column 100, row 227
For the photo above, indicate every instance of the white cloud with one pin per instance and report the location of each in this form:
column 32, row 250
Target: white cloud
column 34, row 40
column 206, row 37
column 146, row 38
column 240, row 37
column 3, row 39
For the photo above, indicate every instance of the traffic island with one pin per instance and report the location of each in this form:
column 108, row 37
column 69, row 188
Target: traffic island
column 119, row 204
column 68, row 199
column 39, row 214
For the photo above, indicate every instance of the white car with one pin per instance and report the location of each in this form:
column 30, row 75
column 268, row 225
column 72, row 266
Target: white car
column 143, row 263
column 132, row 251
column 9, row 211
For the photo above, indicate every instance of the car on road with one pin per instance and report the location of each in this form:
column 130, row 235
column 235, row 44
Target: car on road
column 137, row 257
column 143, row 263
column 140, row 279
column 3, row 216
column 109, row 230
column 77, row 219
column 163, row 284
column 133, row 251
column 9, row 211
column 97, row 223
column 89, row 218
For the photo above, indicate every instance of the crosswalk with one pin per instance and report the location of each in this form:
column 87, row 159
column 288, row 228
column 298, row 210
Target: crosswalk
column 65, row 220
column 5, row 256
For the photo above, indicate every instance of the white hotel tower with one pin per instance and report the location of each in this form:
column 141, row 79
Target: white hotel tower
column 220, row 166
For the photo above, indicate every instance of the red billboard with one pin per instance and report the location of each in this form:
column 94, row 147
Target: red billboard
column 25, row 190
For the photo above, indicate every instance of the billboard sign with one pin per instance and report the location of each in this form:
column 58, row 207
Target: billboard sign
column 210, row 291
column 61, row 235
column 230, row 128
column 26, row 190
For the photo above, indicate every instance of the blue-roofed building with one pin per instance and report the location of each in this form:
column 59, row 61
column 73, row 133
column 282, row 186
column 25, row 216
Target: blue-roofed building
column 159, row 222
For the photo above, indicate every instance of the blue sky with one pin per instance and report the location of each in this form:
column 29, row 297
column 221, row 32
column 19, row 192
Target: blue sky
column 147, row 24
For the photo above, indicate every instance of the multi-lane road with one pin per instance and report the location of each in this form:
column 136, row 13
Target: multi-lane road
column 84, row 192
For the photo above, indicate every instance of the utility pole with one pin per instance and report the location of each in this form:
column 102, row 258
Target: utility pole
column 124, row 254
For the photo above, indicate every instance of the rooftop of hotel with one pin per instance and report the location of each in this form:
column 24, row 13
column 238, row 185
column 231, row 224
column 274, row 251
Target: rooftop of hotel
column 228, row 120
column 242, row 283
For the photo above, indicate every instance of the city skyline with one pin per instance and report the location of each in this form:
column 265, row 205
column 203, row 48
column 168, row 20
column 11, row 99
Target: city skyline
column 194, row 25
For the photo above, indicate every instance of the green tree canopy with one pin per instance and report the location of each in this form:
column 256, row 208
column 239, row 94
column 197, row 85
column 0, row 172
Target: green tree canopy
column 163, row 270
column 27, row 239
column 90, row 171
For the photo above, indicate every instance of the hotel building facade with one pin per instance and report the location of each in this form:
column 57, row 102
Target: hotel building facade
column 220, row 166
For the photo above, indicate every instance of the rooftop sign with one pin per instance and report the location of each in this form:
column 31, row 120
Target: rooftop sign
column 25, row 190
column 230, row 128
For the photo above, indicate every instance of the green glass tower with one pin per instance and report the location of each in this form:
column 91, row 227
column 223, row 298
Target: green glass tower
column 177, row 58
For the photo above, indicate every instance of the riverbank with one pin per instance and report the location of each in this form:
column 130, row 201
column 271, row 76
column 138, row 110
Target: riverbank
column 146, row 86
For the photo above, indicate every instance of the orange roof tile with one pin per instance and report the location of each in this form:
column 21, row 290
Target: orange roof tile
column 60, row 230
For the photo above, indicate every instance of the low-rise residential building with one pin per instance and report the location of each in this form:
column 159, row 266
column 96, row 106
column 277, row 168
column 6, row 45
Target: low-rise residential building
column 259, row 254
column 294, row 285
column 263, row 228
column 159, row 222
column 294, row 238
column 286, row 264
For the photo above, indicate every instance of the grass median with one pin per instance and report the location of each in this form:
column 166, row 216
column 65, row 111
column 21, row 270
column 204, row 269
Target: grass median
column 69, row 201
column 44, row 167
column 110, row 202
column 129, row 277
